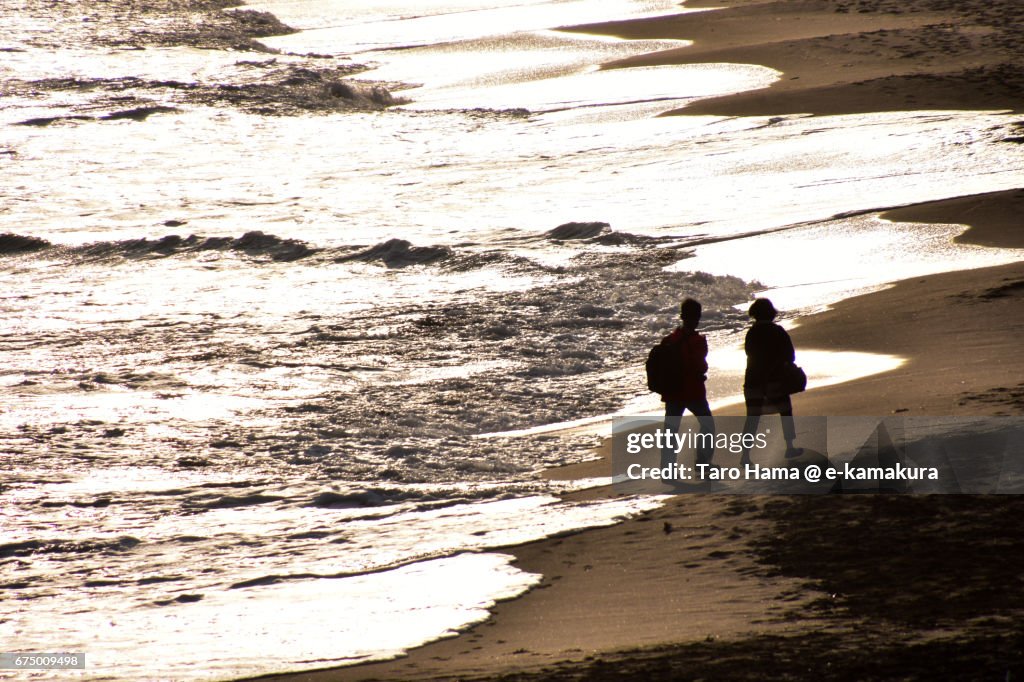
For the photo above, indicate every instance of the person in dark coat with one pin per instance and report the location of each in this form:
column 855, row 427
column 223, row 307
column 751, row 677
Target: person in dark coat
column 690, row 394
column 768, row 348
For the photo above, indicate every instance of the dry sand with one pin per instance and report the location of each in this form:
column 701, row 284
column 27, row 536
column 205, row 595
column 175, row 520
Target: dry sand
column 832, row 587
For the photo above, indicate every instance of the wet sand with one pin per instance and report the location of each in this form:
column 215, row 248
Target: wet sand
column 798, row 587
column 960, row 332
column 835, row 587
column 849, row 56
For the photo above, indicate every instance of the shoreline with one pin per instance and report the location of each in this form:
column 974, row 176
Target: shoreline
column 964, row 324
column 699, row 582
column 837, row 59
column 845, row 587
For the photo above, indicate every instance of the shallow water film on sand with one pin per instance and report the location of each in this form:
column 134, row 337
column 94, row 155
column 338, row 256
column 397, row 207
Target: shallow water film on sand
column 271, row 272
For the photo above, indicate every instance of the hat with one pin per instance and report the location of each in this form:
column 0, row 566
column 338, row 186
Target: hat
column 762, row 310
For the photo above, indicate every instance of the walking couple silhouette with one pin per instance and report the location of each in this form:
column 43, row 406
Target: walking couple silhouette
column 767, row 382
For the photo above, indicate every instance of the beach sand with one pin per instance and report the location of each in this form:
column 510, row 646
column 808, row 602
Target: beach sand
column 960, row 332
column 842, row 587
column 835, row 587
column 849, row 56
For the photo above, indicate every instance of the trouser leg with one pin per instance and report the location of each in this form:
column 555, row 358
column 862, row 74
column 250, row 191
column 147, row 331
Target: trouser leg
column 673, row 413
column 755, row 407
column 702, row 411
column 788, row 427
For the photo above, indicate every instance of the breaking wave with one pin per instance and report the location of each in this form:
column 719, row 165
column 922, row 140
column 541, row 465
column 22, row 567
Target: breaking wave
column 392, row 253
column 399, row 253
column 32, row 547
column 253, row 243
column 571, row 231
column 15, row 243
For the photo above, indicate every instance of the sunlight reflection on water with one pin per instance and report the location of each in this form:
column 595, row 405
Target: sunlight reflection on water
column 322, row 401
column 800, row 275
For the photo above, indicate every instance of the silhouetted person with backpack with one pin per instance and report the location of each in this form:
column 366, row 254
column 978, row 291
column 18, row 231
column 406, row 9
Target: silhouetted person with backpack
column 683, row 387
column 769, row 349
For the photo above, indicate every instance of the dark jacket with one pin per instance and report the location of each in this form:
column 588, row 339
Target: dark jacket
column 768, row 347
column 695, row 347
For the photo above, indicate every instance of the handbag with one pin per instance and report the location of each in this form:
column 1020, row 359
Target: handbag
column 789, row 379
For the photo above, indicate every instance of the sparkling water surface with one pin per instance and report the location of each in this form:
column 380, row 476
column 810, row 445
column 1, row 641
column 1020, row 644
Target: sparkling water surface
column 268, row 448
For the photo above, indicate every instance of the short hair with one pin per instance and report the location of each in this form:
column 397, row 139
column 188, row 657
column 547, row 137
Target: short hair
column 762, row 310
column 690, row 309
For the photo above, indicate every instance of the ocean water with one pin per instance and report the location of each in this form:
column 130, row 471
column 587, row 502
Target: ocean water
column 279, row 375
